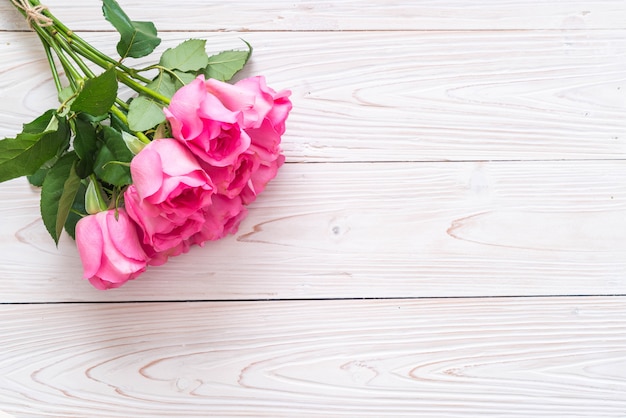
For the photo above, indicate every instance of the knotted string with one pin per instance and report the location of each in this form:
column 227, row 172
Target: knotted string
column 34, row 14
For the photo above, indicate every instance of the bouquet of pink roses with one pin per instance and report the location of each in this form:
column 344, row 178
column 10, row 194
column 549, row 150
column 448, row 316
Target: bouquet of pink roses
column 138, row 181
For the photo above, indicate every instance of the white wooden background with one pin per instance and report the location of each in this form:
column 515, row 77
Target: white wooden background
column 448, row 238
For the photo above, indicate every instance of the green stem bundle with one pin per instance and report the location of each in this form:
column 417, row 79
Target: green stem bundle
column 71, row 50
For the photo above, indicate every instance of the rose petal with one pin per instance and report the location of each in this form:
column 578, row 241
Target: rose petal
column 90, row 243
column 176, row 159
column 234, row 96
column 213, row 109
column 124, row 235
column 265, row 141
column 147, row 172
column 182, row 110
column 100, row 284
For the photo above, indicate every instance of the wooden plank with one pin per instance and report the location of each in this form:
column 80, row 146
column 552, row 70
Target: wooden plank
column 329, row 15
column 411, row 96
column 526, row 357
column 369, row 230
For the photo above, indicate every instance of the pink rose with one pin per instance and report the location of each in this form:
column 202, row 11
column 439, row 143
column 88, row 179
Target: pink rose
column 210, row 130
column 265, row 142
column 218, row 121
column 264, row 114
column 232, row 179
column 262, row 111
column 269, row 105
column 255, row 100
column 265, row 124
column 222, row 218
column 266, row 147
column 167, row 199
column 248, row 176
column 259, row 179
column 109, row 249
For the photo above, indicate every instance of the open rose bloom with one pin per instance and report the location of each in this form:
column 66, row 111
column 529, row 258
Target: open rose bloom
column 193, row 187
column 109, row 248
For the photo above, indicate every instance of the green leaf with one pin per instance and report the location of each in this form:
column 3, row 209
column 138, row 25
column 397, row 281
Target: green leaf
column 188, row 56
column 57, row 194
column 78, row 207
column 112, row 152
column 144, row 114
column 37, row 178
column 85, row 139
column 45, row 122
column 86, row 146
column 97, row 94
column 133, row 143
column 226, row 64
column 163, row 84
column 94, row 119
column 182, row 79
column 66, row 94
column 138, row 39
column 40, row 141
column 140, row 42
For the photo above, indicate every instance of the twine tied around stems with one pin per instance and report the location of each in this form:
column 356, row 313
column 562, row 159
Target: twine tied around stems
column 34, row 14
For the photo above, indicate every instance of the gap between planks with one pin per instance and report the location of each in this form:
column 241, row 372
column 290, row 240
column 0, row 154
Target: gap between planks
column 346, row 299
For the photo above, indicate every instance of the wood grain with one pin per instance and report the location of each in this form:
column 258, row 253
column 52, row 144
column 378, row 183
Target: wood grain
column 406, row 96
column 329, row 15
column 370, row 230
column 551, row 357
